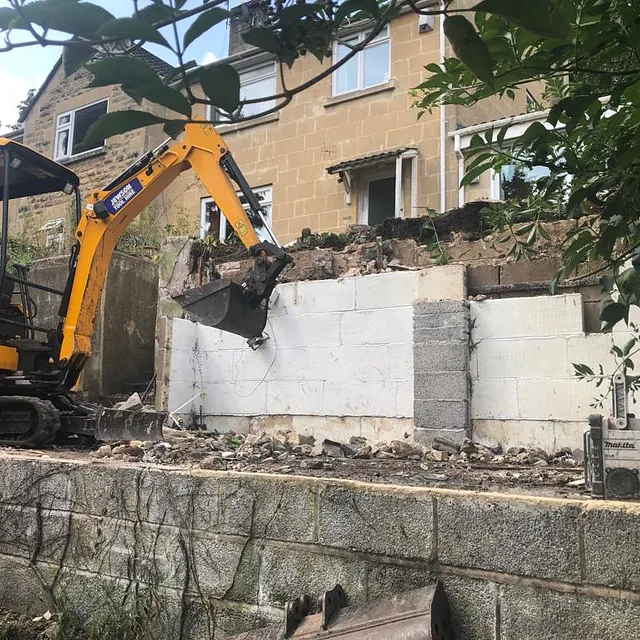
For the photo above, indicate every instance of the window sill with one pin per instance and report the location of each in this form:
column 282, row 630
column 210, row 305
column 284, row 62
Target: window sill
column 239, row 126
column 94, row 153
column 360, row 93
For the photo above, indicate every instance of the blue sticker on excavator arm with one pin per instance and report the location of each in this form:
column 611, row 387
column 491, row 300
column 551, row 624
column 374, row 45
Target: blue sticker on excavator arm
column 122, row 196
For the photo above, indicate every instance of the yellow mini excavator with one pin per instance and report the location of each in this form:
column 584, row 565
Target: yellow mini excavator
column 40, row 366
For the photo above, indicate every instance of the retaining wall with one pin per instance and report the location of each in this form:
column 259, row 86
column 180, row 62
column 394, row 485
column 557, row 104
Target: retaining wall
column 214, row 553
column 123, row 340
column 339, row 361
column 524, row 388
column 395, row 353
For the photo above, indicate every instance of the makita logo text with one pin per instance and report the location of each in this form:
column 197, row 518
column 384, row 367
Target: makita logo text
column 619, row 445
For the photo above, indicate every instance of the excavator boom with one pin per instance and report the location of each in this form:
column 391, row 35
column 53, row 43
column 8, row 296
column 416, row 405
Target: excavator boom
column 36, row 377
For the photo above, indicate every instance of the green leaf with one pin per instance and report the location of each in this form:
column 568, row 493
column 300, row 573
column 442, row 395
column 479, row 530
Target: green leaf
column 160, row 94
column 118, row 122
column 262, row 38
column 132, row 29
column 353, row 6
column 155, row 12
column 221, row 85
column 473, row 173
column 542, row 17
column 613, row 313
column 470, row 48
column 174, row 128
column 76, row 55
column 626, row 349
column 122, row 70
column 203, row 23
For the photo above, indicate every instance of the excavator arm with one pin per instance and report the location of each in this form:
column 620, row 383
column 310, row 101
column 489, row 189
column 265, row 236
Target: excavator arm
column 240, row 309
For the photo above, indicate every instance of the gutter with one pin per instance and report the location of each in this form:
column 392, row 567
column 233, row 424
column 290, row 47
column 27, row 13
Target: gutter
column 443, row 124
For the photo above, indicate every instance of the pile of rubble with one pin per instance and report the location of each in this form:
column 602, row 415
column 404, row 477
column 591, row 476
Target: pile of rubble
column 289, row 452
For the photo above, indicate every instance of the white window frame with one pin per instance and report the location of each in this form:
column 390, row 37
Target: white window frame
column 267, row 202
column 211, row 111
column 52, row 239
column 70, row 127
column 383, row 36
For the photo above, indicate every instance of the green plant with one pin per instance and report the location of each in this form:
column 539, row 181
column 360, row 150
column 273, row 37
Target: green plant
column 116, row 620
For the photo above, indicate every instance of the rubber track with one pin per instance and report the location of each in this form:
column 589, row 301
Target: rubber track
column 49, row 423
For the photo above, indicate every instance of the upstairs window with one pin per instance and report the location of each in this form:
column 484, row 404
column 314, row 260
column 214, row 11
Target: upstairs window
column 212, row 222
column 258, row 82
column 54, row 234
column 368, row 68
column 72, row 127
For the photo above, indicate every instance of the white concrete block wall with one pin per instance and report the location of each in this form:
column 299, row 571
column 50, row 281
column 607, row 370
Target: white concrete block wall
column 337, row 348
column 524, row 391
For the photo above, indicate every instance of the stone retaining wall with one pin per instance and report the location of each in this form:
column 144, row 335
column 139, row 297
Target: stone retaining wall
column 217, row 553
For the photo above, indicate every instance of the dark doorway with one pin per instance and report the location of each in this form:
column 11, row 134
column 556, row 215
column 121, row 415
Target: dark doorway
column 382, row 200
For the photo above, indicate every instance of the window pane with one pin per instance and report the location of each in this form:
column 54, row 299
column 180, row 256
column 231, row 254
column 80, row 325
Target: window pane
column 258, row 89
column 517, row 181
column 376, row 64
column 64, row 120
column 346, row 77
column 84, row 118
column 62, row 144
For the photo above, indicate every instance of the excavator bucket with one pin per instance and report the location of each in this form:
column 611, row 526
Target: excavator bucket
column 224, row 305
column 421, row 614
column 113, row 425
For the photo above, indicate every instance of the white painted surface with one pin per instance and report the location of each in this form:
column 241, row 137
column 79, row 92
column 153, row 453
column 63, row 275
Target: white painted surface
column 524, row 391
column 338, row 348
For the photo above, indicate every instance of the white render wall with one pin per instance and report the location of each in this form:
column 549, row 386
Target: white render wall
column 338, row 348
column 524, row 391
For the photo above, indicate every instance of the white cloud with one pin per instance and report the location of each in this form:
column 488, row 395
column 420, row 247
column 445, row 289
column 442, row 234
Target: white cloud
column 209, row 57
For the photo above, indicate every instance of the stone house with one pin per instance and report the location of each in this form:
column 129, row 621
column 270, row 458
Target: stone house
column 348, row 150
column 54, row 125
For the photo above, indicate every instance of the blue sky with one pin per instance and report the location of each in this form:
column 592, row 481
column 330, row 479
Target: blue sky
column 26, row 68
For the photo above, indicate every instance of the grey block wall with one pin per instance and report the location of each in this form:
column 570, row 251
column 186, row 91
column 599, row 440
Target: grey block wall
column 441, row 370
column 217, row 553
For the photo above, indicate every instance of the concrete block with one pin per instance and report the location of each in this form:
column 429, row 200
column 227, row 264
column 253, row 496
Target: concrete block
column 550, row 435
column 441, row 414
column 442, row 334
column 249, row 365
column 567, row 399
column 440, row 356
column 373, row 520
column 287, row 572
column 399, row 359
column 441, row 386
column 183, row 396
column 381, row 326
column 524, row 271
column 523, row 358
column 404, row 398
column 386, row 579
column 430, row 307
column 614, row 565
column 22, row 589
column 437, row 320
column 306, row 398
column 535, row 537
column 426, row 436
column 316, row 330
column 183, row 335
column 494, row 399
column 592, row 350
column 299, row 298
column 472, row 604
column 235, row 398
column 360, row 398
column 525, row 317
column 448, row 282
column 482, row 276
column 543, row 614
column 385, row 290
column 352, row 362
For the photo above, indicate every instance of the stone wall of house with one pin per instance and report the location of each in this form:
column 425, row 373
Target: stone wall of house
column 292, row 149
column 95, row 169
